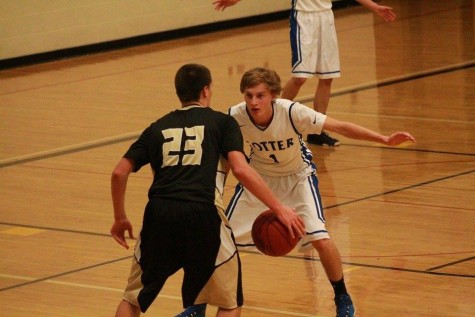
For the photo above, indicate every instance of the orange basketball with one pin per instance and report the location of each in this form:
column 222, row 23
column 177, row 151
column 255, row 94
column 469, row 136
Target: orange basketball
column 270, row 236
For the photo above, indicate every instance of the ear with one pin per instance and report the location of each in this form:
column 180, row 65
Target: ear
column 205, row 92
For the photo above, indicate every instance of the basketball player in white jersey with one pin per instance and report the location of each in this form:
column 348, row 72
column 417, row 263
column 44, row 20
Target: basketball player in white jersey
column 314, row 45
column 273, row 128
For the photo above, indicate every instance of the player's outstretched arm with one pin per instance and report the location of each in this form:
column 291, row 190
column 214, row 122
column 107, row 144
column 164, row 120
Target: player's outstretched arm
column 220, row 5
column 119, row 179
column 385, row 12
column 253, row 182
column 358, row 132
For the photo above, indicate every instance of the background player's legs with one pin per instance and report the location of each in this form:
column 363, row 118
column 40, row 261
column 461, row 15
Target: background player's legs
column 320, row 104
column 292, row 87
column 322, row 95
column 126, row 309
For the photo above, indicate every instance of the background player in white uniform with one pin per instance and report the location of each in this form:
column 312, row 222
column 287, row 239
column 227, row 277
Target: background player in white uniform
column 273, row 128
column 314, row 45
column 185, row 148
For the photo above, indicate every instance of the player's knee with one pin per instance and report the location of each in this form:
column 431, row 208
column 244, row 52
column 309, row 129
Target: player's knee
column 321, row 244
column 325, row 82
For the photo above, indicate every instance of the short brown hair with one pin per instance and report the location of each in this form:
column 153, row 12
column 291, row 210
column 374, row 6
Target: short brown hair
column 258, row 75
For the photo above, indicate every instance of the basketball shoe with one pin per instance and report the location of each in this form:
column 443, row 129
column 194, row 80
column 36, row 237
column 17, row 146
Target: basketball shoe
column 344, row 306
column 194, row 311
column 322, row 139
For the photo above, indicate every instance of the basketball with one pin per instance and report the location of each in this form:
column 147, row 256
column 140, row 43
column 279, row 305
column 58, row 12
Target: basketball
column 271, row 236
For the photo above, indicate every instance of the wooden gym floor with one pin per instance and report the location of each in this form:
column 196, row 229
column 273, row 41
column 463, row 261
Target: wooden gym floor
column 403, row 218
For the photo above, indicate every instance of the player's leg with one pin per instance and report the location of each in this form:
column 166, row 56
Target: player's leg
column 331, row 262
column 322, row 95
column 129, row 306
column 236, row 312
column 330, row 258
column 327, row 68
column 126, row 309
column 292, row 87
column 213, row 272
column 242, row 210
column 302, row 45
column 307, row 195
column 320, row 104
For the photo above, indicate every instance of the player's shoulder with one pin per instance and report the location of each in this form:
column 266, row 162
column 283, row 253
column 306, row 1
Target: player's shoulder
column 284, row 103
column 238, row 109
column 292, row 106
column 225, row 120
column 287, row 106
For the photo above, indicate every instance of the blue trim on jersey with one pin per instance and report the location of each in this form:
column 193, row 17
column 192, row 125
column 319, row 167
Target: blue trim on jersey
column 305, row 153
column 291, row 120
column 239, row 189
column 313, row 182
column 295, row 39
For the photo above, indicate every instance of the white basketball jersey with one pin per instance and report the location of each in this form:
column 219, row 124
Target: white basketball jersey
column 278, row 149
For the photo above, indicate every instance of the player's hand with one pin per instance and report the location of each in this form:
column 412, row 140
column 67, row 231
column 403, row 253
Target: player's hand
column 220, row 5
column 292, row 222
column 118, row 231
column 386, row 13
column 399, row 137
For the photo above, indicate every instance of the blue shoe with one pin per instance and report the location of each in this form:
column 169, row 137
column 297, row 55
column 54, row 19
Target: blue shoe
column 194, row 311
column 344, row 306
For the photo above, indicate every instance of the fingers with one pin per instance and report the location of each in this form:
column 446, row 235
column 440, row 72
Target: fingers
column 220, row 5
column 390, row 16
column 121, row 241
column 387, row 13
column 297, row 228
column 406, row 137
column 400, row 137
column 301, row 227
column 131, row 233
column 289, row 222
column 291, row 231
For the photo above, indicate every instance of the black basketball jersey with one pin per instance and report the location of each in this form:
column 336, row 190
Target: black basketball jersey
column 184, row 149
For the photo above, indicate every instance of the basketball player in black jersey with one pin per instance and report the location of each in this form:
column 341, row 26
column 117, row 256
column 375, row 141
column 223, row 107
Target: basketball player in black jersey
column 184, row 226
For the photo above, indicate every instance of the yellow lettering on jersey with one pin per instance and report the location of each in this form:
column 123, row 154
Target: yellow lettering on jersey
column 192, row 151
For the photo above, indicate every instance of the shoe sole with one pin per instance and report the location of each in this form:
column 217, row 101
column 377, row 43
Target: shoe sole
column 328, row 145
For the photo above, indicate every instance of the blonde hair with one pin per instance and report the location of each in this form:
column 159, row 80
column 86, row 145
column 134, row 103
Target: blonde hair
column 258, row 75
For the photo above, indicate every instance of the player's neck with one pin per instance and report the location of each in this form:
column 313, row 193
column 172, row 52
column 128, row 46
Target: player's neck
column 194, row 103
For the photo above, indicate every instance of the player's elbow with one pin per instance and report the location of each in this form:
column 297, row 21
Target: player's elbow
column 239, row 171
column 122, row 170
column 238, row 164
column 118, row 176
